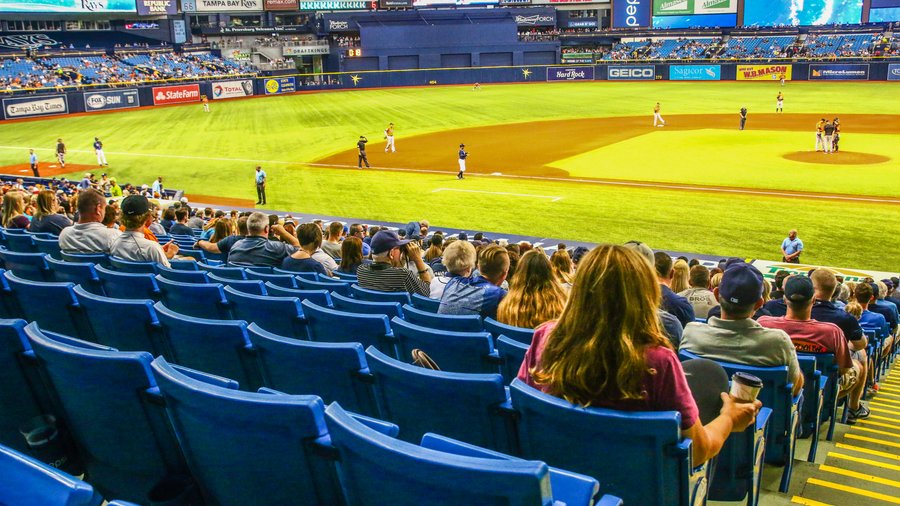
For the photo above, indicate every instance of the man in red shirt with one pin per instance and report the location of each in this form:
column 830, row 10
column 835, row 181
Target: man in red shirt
column 812, row 336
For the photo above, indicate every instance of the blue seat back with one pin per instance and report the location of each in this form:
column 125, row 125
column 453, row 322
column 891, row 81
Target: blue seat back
column 22, row 395
column 127, row 453
column 183, row 276
column 351, row 305
column 21, row 243
column 251, row 286
column 259, row 269
column 425, row 303
column 83, row 274
column 27, row 481
column 317, row 297
column 107, row 315
column 224, row 272
column 283, row 280
column 827, row 366
column 126, row 285
column 48, row 247
column 345, row 276
column 332, row 326
column 196, row 254
column 94, row 258
column 279, row 315
column 813, row 394
column 469, row 352
column 597, row 441
column 340, row 287
column 52, row 305
column 376, row 296
column 217, row 347
column 307, row 275
column 469, row 407
column 201, row 300
column 512, row 354
column 31, row 266
column 378, row 469
column 498, row 329
column 333, row 371
column 249, row 448
column 454, row 323
column 183, row 265
column 123, row 265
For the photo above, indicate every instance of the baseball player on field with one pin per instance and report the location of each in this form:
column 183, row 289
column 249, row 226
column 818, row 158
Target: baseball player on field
column 98, row 149
column 779, row 102
column 462, row 161
column 837, row 133
column 657, row 117
column 389, row 136
column 61, row 152
column 820, row 134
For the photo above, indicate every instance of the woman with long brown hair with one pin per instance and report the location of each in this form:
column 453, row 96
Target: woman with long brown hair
column 562, row 267
column 46, row 216
column 221, row 230
column 351, row 255
column 608, row 350
column 535, row 294
column 13, row 215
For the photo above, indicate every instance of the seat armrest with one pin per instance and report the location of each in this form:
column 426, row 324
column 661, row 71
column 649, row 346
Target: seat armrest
column 762, row 419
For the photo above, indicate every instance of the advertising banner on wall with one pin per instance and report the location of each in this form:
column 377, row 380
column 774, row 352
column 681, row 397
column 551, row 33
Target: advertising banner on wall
column 232, row 89
column 695, row 72
column 280, row 5
column 631, row 73
column 764, row 72
column 839, row 72
column 395, row 4
column 692, row 7
column 893, row 73
column 570, row 73
column 769, row 269
column 29, row 107
column 111, row 99
column 67, row 6
column 304, row 50
column 631, row 13
column 572, row 58
column 542, row 19
column 157, row 7
column 278, row 85
column 178, row 94
column 229, row 5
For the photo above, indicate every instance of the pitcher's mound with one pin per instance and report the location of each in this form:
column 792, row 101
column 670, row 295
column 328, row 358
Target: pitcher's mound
column 839, row 158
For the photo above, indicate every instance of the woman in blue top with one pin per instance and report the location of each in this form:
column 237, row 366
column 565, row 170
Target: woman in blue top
column 310, row 237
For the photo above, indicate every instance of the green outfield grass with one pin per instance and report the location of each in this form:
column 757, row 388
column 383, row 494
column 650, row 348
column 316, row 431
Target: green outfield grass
column 213, row 154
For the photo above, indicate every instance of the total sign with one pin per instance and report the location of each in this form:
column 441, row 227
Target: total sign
column 632, row 13
column 176, row 94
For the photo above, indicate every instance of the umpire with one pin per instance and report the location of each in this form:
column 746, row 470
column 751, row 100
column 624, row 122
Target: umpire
column 260, row 185
column 743, row 117
column 361, row 147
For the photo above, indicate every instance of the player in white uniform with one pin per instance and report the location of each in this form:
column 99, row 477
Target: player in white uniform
column 98, row 149
column 779, row 103
column 657, row 117
column 389, row 136
column 462, row 161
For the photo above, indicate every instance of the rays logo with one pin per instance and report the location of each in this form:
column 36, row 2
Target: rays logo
column 30, row 41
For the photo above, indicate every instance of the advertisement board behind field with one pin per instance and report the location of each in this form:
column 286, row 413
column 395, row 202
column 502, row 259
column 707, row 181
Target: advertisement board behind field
column 893, row 73
column 570, row 73
column 232, row 89
column 695, row 72
column 839, row 72
column 278, row 85
column 28, row 107
column 176, row 94
column 631, row 73
column 112, row 99
column 764, row 72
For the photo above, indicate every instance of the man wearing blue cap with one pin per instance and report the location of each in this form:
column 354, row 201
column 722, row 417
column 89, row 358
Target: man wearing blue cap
column 735, row 337
column 385, row 273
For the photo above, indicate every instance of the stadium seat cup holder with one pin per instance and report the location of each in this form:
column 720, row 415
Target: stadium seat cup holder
column 47, row 443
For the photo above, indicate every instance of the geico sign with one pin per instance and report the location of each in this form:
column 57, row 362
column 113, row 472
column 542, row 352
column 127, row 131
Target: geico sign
column 631, row 10
column 631, row 73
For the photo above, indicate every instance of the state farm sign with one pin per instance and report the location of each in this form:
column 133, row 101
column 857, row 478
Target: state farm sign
column 176, row 94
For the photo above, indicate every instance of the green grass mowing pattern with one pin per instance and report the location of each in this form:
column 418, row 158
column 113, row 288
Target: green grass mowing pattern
column 306, row 127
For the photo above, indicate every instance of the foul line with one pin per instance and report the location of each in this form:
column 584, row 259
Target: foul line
column 603, row 182
column 554, row 199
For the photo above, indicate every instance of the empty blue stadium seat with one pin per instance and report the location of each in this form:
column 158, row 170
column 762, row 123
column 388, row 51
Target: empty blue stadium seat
column 122, row 265
column 183, row 275
column 201, row 300
column 376, row 296
column 828, row 368
column 332, row 326
column 22, row 393
column 469, row 352
column 378, row 469
column 21, row 243
column 597, row 441
column 52, row 305
column 341, row 287
column 343, row 276
column 126, row 285
column 498, row 329
column 279, row 315
column 333, row 371
column 351, row 305
column 455, row 323
column 425, row 303
column 196, row 254
column 27, row 265
column 48, row 247
column 284, row 280
column 212, row 346
column 83, row 274
column 107, row 399
column 252, row 286
column 95, row 258
column 25, row 481
column 470, row 407
column 247, row 447
column 184, row 265
column 224, row 272
column 512, row 354
column 260, row 269
column 317, row 297
column 107, row 316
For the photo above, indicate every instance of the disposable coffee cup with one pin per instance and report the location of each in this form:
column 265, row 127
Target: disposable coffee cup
column 745, row 387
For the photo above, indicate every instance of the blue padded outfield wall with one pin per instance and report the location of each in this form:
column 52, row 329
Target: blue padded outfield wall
column 49, row 103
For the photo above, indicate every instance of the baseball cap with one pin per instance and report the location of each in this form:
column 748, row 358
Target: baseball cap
column 134, row 205
column 741, row 284
column 385, row 241
column 875, row 289
column 644, row 250
column 732, row 261
column 888, row 283
column 798, row 289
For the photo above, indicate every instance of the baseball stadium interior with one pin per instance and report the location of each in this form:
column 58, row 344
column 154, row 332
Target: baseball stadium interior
column 187, row 346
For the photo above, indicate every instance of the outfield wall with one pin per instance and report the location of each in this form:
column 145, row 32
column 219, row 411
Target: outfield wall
column 88, row 99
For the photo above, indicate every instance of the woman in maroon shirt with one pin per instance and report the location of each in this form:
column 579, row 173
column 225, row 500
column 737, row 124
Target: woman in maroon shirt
column 607, row 350
column 13, row 211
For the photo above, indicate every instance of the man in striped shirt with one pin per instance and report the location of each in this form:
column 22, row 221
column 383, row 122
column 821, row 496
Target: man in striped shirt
column 384, row 273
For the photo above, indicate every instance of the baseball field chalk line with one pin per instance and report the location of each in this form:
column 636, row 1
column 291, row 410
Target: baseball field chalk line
column 606, row 182
column 553, row 199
